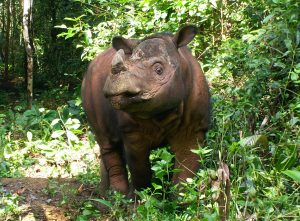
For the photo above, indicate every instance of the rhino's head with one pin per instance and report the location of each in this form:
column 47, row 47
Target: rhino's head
column 147, row 76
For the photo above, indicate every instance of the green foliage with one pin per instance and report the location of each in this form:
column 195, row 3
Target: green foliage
column 9, row 205
column 54, row 58
column 294, row 174
column 88, row 212
column 53, row 139
column 250, row 53
column 99, row 23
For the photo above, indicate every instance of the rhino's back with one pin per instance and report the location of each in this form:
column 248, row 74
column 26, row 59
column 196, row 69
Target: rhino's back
column 197, row 106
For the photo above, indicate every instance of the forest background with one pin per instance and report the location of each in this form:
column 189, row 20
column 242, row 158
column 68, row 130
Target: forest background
column 249, row 51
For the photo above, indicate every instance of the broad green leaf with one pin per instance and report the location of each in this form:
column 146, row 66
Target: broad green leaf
column 89, row 11
column 189, row 180
column 297, row 68
column 57, row 133
column 254, row 141
column 70, row 19
column 88, row 36
column 288, row 44
column 294, row 120
column 55, row 121
column 61, row 26
column 72, row 136
column 279, row 64
column 104, row 202
column 73, row 125
column 86, row 212
column 29, row 136
column 297, row 38
column 46, row 149
column 156, row 187
column 294, row 76
column 294, row 174
column 201, row 151
column 268, row 18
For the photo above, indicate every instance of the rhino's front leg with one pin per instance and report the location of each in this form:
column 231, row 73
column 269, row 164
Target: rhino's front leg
column 139, row 166
column 113, row 168
column 185, row 160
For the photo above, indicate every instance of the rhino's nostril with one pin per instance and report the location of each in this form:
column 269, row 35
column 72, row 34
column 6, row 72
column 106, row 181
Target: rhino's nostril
column 125, row 94
column 130, row 94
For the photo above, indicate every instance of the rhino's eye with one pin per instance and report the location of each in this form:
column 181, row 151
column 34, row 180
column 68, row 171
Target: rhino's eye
column 158, row 68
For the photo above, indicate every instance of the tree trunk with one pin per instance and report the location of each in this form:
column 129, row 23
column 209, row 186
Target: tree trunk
column 2, row 37
column 27, row 10
column 7, row 40
column 13, row 34
column 54, row 31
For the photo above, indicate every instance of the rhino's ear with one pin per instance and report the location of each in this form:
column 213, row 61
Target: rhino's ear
column 126, row 44
column 185, row 35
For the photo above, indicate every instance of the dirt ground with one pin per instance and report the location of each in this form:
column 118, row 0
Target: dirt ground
column 47, row 200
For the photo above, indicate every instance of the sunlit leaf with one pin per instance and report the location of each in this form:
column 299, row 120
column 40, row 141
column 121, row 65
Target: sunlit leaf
column 156, row 187
column 254, row 141
column 57, row 133
column 55, row 121
column 294, row 174
column 104, row 202
column 29, row 136
column 288, row 43
column 61, row 26
column 268, row 18
column 72, row 136
column 294, row 120
column 201, row 151
column 294, row 76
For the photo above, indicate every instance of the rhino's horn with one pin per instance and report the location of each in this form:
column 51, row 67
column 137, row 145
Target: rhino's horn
column 118, row 62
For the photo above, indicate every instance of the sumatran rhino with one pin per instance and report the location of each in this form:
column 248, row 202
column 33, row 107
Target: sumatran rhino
column 143, row 94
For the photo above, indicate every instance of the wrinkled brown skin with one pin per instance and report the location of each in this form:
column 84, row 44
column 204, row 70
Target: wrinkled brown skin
column 171, row 108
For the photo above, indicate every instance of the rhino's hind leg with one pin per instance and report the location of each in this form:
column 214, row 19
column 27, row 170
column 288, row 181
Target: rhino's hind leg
column 185, row 160
column 188, row 164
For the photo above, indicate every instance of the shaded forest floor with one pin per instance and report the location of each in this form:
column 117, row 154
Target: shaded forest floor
column 38, row 204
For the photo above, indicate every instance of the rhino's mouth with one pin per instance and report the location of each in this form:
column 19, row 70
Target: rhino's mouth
column 126, row 101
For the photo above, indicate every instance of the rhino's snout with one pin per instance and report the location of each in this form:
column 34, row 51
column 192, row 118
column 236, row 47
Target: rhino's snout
column 122, row 84
column 130, row 92
column 121, row 93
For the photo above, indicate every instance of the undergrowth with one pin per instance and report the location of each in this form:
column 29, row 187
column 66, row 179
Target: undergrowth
column 251, row 158
column 264, row 182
